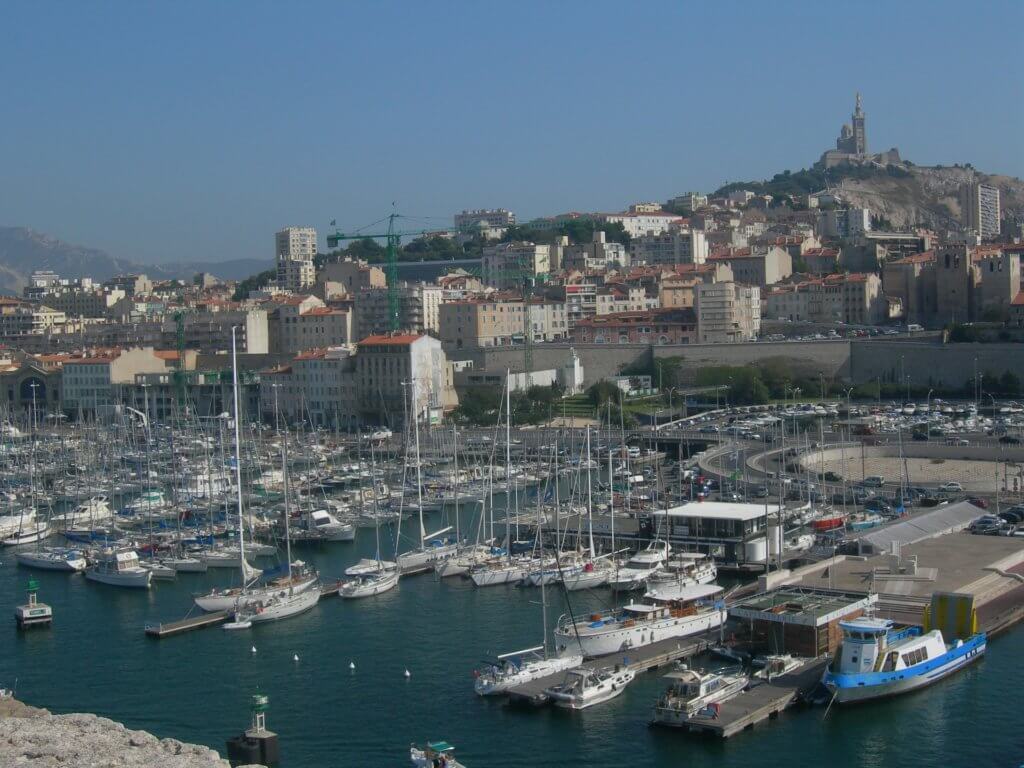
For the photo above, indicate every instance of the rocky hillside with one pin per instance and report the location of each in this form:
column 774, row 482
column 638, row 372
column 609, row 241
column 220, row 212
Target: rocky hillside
column 23, row 251
column 926, row 196
column 34, row 737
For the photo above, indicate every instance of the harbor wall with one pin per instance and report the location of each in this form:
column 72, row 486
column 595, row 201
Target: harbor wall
column 932, row 364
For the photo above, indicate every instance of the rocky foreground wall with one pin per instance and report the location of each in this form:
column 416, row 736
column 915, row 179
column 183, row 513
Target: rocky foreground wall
column 34, row 738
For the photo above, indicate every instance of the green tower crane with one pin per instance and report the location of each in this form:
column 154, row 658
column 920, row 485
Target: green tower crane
column 393, row 239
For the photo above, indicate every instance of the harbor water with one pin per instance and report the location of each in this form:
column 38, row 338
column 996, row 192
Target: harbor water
column 196, row 686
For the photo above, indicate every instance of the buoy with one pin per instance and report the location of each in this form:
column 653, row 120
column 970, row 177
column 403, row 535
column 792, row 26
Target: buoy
column 408, row 674
column 295, row 657
column 351, row 665
column 254, row 649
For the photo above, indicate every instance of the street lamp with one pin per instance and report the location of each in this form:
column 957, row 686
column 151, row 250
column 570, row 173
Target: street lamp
column 928, row 401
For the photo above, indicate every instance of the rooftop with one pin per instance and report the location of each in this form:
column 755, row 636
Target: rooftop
column 719, row 510
column 790, row 605
column 399, row 339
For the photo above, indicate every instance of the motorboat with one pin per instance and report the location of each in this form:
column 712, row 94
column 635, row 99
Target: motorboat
column 53, row 559
column 686, row 568
column 875, row 659
column 776, row 665
column 584, row 687
column 640, row 567
column 508, row 670
column 321, row 525
column 119, row 568
column 160, row 570
column 437, row 754
column 95, row 510
column 689, row 692
column 673, row 613
column 369, row 585
column 186, row 564
column 30, row 533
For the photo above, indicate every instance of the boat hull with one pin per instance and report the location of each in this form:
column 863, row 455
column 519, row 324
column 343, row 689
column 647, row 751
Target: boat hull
column 131, row 580
column 851, row 689
column 619, row 638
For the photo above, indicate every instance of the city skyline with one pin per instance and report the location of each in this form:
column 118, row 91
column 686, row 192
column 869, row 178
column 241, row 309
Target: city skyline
column 201, row 142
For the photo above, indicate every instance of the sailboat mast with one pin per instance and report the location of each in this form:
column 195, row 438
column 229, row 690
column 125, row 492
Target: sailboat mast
column 508, row 454
column 419, row 480
column 284, row 468
column 611, row 492
column 238, row 452
column 590, row 499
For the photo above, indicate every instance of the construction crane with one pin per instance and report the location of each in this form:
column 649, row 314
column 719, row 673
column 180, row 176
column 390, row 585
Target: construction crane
column 393, row 238
column 179, row 370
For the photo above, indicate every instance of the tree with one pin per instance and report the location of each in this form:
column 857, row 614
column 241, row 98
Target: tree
column 252, row 283
column 603, row 391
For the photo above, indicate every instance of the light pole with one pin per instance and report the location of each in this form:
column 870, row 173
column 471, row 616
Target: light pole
column 928, row 401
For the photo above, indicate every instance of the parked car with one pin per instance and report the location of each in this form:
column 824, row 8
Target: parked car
column 874, row 481
column 1014, row 518
column 978, row 502
column 986, row 525
column 878, row 505
column 1009, row 440
column 951, row 487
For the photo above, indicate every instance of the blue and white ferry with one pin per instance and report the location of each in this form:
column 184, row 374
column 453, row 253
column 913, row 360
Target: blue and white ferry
column 874, row 660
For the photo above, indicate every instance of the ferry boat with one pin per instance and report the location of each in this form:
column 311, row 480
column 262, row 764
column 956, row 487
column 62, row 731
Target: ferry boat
column 690, row 691
column 584, row 687
column 876, row 660
column 672, row 612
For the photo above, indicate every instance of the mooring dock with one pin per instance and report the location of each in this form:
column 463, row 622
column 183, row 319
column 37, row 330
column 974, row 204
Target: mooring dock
column 756, row 704
column 170, row 628
column 639, row 660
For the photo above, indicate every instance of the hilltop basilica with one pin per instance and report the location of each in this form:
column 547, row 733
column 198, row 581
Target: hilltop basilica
column 852, row 144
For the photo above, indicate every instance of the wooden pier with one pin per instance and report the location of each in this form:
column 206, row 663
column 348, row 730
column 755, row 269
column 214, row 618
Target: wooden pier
column 331, row 590
column 755, row 705
column 643, row 659
column 161, row 630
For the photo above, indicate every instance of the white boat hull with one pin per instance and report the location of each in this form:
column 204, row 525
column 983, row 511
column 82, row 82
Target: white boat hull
column 138, row 578
column 618, row 638
column 280, row 607
column 72, row 563
column 370, row 586
column 492, row 685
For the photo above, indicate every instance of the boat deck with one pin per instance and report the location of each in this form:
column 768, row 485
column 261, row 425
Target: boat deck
column 638, row 660
column 757, row 704
column 168, row 629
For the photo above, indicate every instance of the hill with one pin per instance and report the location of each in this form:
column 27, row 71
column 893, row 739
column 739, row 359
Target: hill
column 904, row 195
column 23, row 251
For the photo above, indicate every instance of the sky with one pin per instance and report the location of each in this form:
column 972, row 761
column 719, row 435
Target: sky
column 188, row 130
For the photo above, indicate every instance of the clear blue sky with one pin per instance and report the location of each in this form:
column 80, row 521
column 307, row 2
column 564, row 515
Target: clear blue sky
column 192, row 130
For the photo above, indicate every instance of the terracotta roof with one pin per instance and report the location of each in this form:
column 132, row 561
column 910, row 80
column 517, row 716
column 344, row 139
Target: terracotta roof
column 401, row 339
column 916, row 258
column 1018, row 300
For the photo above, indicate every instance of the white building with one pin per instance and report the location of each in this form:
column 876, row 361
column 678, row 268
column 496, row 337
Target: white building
column 689, row 202
column 318, row 388
column 294, row 252
column 419, row 307
column 844, row 223
column 491, row 222
column 391, row 367
column 636, row 224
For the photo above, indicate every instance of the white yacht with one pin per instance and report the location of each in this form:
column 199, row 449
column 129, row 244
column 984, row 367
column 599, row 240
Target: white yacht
column 329, row 527
column 690, row 691
column 369, row 585
column 94, row 511
column 53, row 559
column 686, row 568
column 301, row 580
column 368, row 566
column 687, row 611
column 185, row 564
column 284, row 604
column 29, row 533
column 511, row 669
column 119, row 569
column 501, row 571
column 437, row 754
column 640, row 567
column 590, row 575
column 584, row 687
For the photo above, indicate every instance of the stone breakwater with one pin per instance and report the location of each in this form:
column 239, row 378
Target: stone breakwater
column 34, row 738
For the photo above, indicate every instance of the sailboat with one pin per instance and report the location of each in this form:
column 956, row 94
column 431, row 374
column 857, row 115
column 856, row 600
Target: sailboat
column 30, row 529
column 382, row 578
column 297, row 580
column 432, row 549
column 511, row 669
column 286, row 601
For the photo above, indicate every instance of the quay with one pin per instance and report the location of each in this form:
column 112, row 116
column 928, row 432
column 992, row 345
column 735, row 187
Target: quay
column 644, row 659
column 169, row 629
column 756, row 704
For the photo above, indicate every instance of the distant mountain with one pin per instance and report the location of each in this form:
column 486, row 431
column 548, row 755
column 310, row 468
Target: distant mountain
column 23, row 251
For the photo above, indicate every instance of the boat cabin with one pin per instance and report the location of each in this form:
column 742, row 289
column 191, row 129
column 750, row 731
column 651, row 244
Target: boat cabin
column 873, row 645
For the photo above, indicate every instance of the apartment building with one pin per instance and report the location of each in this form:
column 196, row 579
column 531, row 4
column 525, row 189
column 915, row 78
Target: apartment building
column 727, row 312
column 498, row 321
column 294, row 252
column 844, row 223
column 641, row 223
column 318, row 388
column 599, row 253
column 306, row 322
column 854, row 299
column 684, row 246
column 398, row 374
column 611, row 299
column 354, row 274
column 504, row 266
column 19, row 318
column 689, row 202
column 418, row 309
column 658, row 326
column 758, row 266
column 88, row 382
column 980, row 209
